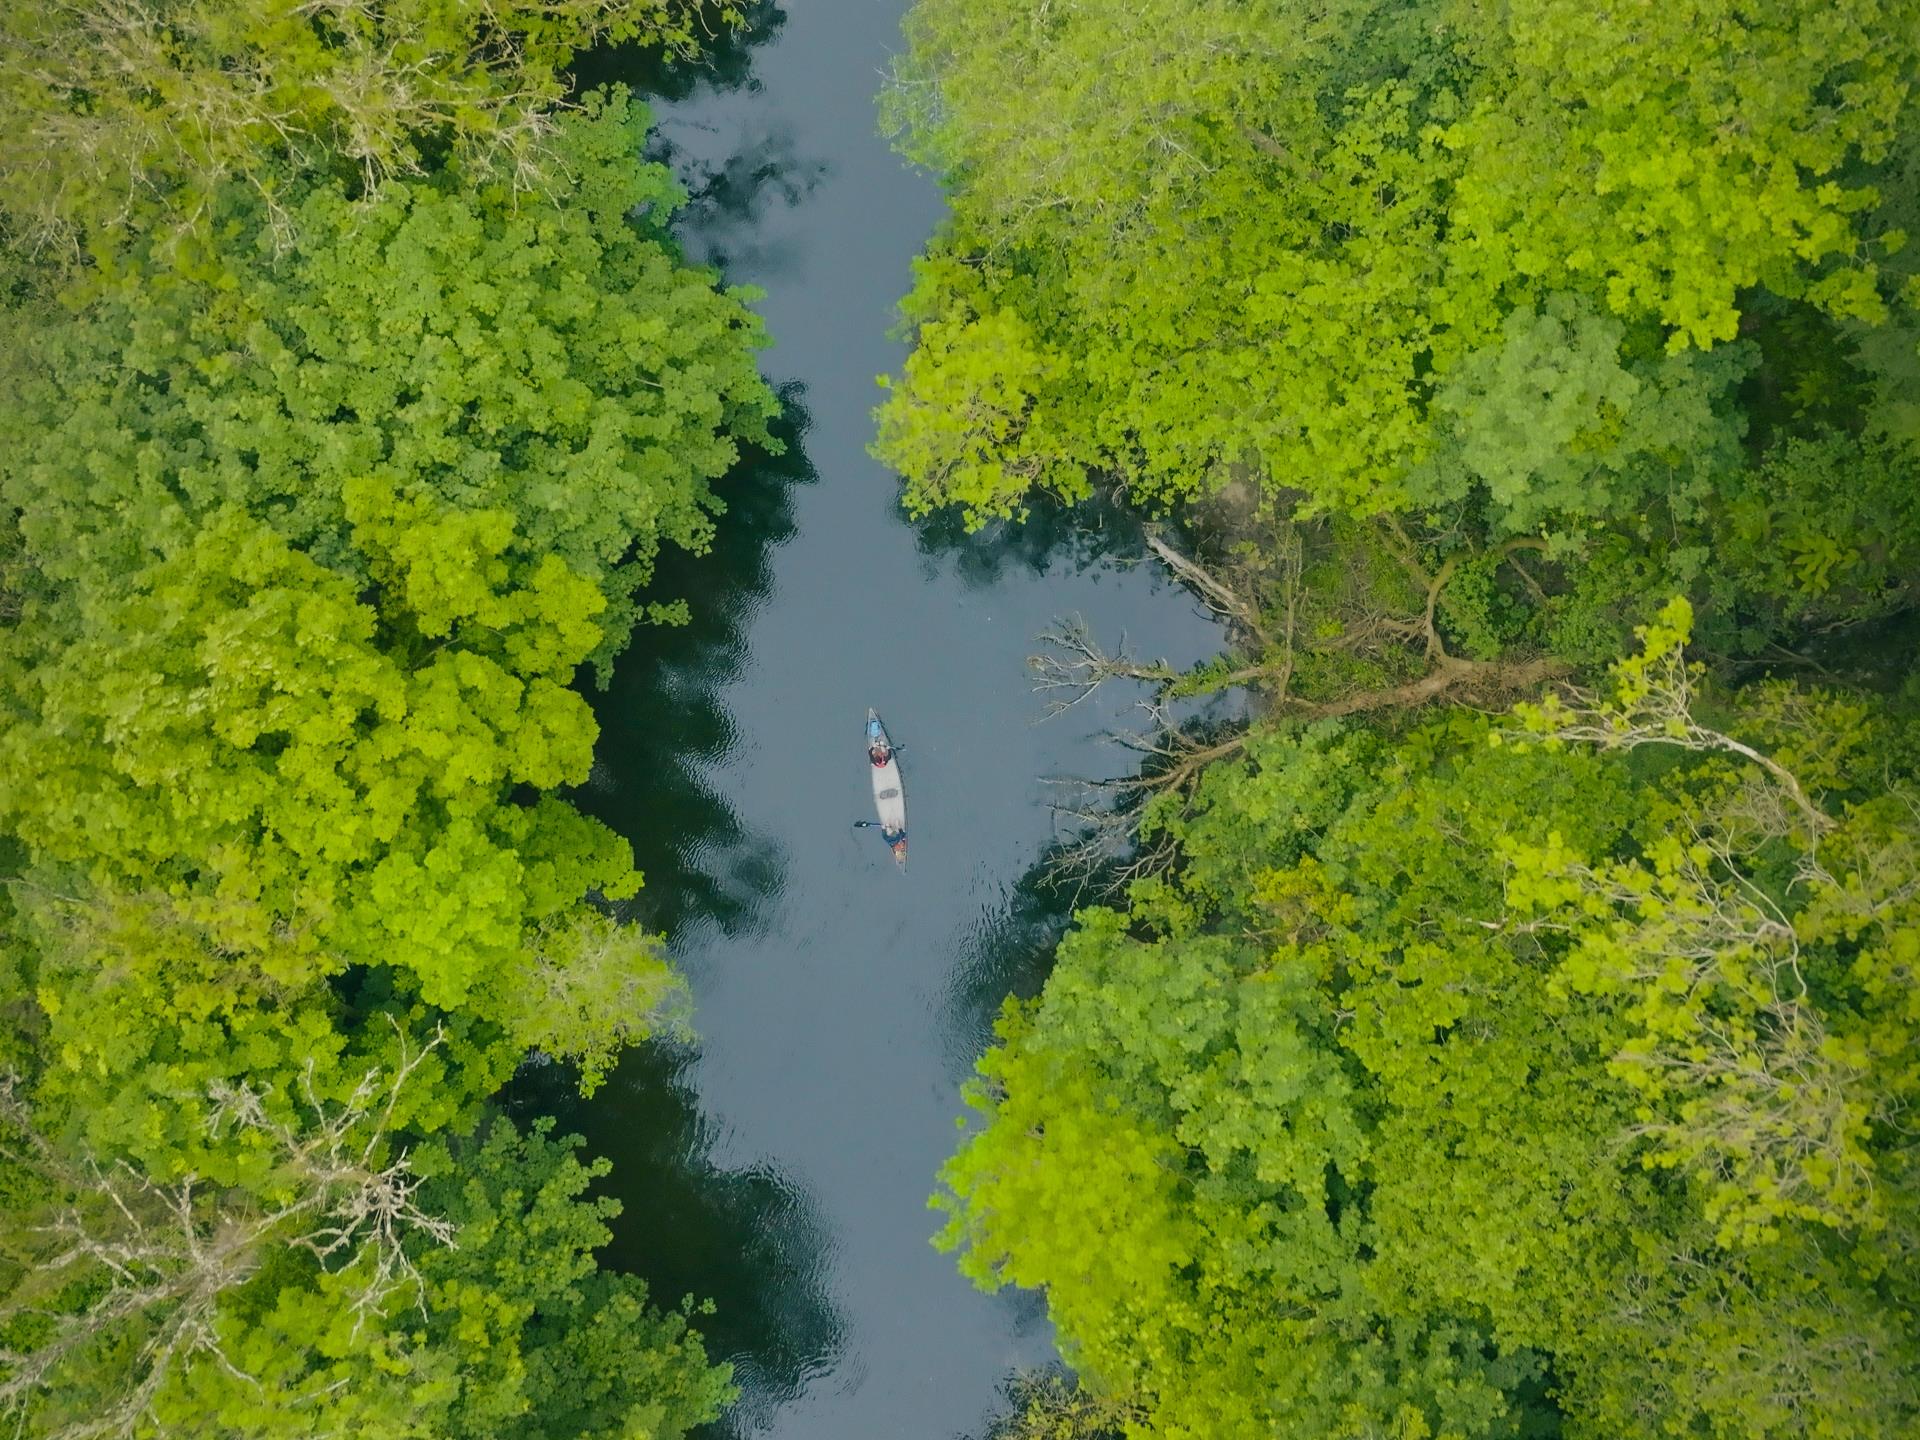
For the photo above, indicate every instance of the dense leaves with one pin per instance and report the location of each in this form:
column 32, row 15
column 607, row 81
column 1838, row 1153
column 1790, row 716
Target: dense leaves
column 311, row 575
column 321, row 483
column 128, row 115
column 1451, row 1089
column 548, row 370
column 452, row 1292
column 1540, row 269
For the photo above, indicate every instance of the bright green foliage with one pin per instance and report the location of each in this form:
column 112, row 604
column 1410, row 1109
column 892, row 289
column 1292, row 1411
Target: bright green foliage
column 313, row 502
column 454, row 1293
column 1444, row 1088
column 589, row 987
column 552, row 362
column 1773, row 1103
column 1420, row 260
column 1221, row 335
column 1551, row 426
column 1678, row 154
column 230, row 731
column 316, row 550
column 231, row 743
column 1449, row 1089
column 141, row 1016
column 962, row 419
column 121, row 115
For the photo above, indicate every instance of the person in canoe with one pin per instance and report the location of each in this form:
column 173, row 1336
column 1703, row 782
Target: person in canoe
column 889, row 796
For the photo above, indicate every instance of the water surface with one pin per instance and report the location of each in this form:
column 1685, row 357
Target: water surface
column 781, row 1166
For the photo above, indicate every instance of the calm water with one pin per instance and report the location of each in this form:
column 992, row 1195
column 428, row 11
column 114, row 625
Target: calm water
column 781, row 1165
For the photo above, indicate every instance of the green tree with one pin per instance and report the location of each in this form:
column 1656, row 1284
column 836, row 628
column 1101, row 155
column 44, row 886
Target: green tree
column 344, row 1284
column 132, row 114
column 437, row 346
column 360, row 435
column 309, row 560
column 1453, row 1089
column 1426, row 1086
column 1481, row 273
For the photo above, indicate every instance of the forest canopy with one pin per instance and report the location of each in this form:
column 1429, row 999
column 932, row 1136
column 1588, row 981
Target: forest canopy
column 1515, row 266
column 1459, row 1089
column 356, row 387
column 134, row 116
column 1510, row 1029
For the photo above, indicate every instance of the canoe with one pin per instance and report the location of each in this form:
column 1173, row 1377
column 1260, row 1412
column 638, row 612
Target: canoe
column 889, row 796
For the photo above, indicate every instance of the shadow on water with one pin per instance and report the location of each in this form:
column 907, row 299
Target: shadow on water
column 725, row 61
column 748, row 1240
column 727, row 194
column 728, row 198
column 662, row 723
column 1095, row 533
column 1009, row 955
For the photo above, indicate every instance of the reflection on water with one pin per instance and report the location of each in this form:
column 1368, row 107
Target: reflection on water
column 663, row 728
column 1049, row 537
column 748, row 1240
column 726, row 63
column 727, row 198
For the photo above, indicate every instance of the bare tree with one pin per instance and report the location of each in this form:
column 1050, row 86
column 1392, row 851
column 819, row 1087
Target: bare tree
column 1264, row 605
column 1653, row 705
column 157, row 1259
column 1761, row 1097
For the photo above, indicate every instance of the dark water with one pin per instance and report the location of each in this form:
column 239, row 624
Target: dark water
column 781, row 1166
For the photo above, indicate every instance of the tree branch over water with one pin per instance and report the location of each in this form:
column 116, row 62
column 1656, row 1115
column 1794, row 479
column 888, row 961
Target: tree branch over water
column 1265, row 611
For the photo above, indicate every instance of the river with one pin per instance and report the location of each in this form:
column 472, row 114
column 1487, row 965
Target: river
column 780, row 1163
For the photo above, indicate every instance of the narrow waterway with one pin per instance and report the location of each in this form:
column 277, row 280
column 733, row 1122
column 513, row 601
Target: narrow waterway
column 780, row 1165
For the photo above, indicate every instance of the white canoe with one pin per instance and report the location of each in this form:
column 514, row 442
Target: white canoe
column 889, row 795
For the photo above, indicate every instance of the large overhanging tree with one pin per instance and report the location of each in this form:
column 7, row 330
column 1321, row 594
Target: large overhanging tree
column 1453, row 1087
column 354, row 436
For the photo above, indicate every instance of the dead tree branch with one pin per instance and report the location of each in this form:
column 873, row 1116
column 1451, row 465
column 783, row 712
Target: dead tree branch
column 1660, row 712
column 158, row 1259
column 1077, row 664
column 1109, row 812
column 1450, row 675
column 1223, row 599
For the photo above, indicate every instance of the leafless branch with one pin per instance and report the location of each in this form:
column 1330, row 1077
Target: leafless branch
column 1662, row 714
column 1220, row 597
column 160, row 1258
column 1076, row 663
